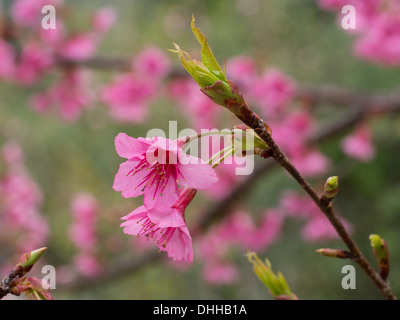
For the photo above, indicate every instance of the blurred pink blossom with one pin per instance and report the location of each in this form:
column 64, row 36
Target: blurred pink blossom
column 103, row 19
column 32, row 64
column 7, row 60
column 318, row 229
column 83, row 231
column 128, row 98
column 359, row 145
column 70, row 96
column 79, row 47
column 242, row 70
column 12, row 153
column 311, row 162
column 220, row 273
column 28, row 13
column 152, row 62
column 197, row 107
column 87, row 264
column 273, row 91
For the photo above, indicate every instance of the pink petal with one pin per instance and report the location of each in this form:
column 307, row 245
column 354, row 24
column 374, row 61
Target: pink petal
column 162, row 200
column 168, row 219
column 132, row 225
column 125, row 182
column 179, row 245
column 128, row 147
column 197, row 174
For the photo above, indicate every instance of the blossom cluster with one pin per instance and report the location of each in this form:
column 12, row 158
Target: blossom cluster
column 377, row 28
column 22, row 223
column 83, row 234
column 154, row 168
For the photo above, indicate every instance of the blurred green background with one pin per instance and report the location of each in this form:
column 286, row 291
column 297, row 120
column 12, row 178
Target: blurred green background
column 293, row 35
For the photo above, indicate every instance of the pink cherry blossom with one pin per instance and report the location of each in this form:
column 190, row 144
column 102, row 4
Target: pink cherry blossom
column 103, row 19
column 296, row 206
column 33, row 63
column 84, row 207
column 359, row 145
column 79, row 47
column 242, row 70
column 311, row 162
column 155, row 167
column 267, row 232
column 28, row 13
column 199, row 109
column 377, row 28
column 128, row 98
column 12, row 153
column 7, row 60
column 273, row 91
column 292, row 131
column 381, row 42
column 220, row 273
column 87, row 264
column 83, row 231
column 168, row 229
column 70, row 96
column 53, row 37
column 318, row 228
column 20, row 201
column 152, row 62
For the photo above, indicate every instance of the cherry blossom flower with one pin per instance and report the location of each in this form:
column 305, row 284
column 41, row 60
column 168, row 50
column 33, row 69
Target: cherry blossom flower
column 273, row 91
column 79, row 47
column 7, row 58
column 151, row 62
column 242, row 70
column 70, row 96
column 103, row 19
column 33, row 63
column 359, row 145
column 128, row 98
column 28, row 13
column 220, row 272
column 83, row 231
column 168, row 229
column 155, row 167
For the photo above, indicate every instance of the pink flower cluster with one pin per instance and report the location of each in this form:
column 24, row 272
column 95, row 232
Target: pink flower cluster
column 83, row 234
column 377, row 28
column 21, row 221
column 317, row 227
column 154, row 168
column 236, row 231
column 201, row 112
column 42, row 50
column 129, row 95
column 359, row 145
column 272, row 93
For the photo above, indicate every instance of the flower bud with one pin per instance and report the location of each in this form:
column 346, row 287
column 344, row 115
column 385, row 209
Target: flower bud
column 28, row 260
column 331, row 187
column 246, row 140
column 381, row 253
column 336, row 253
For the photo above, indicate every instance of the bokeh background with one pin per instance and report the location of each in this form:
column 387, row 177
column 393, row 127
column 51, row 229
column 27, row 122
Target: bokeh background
column 295, row 36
